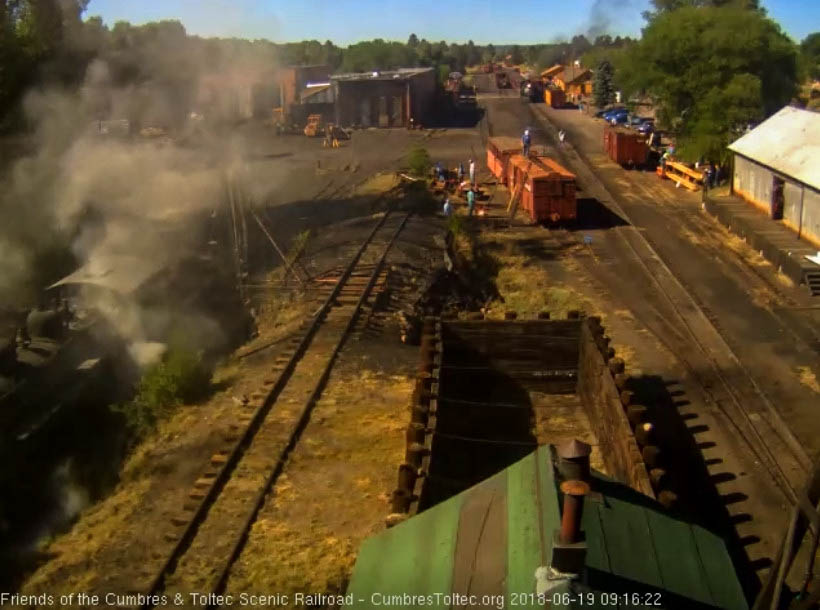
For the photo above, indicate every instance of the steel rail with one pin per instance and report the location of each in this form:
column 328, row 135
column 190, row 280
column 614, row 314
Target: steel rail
column 223, row 476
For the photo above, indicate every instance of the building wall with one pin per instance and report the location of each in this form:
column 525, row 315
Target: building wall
column 422, row 91
column 801, row 209
column 376, row 103
column 804, row 215
column 753, row 183
column 811, row 216
column 292, row 80
column 384, row 103
column 792, row 194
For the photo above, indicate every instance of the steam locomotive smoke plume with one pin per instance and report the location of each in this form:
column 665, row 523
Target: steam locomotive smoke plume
column 601, row 16
column 103, row 197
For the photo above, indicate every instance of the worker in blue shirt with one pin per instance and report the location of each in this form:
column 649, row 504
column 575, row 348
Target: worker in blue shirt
column 470, row 202
column 525, row 141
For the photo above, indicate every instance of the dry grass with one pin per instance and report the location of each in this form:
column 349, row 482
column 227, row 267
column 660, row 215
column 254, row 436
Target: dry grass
column 334, row 491
column 808, row 378
column 378, row 184
column 74, row 553
column 101, row 541
column 526, row 287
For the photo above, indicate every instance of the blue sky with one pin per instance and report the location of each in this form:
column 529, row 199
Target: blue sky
column 347, row 21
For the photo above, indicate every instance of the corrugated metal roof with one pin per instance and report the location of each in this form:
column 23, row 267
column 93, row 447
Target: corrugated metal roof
column 120, row 273
column 490, row 539
column 400, row 74
column 788, row 142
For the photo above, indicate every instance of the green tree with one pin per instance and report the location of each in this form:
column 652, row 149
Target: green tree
column 473, row 54
column 517, row 55
column 424, row 53
column 711, row 70
column 418, row 159
column 602, row 88
column 667, row 6
column 413, row 41
column 810, row 55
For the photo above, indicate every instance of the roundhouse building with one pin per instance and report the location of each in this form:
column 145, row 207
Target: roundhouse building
column 384, row 99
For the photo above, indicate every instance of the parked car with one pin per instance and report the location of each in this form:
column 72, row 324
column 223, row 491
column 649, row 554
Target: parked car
column 646, row 127
column 600, row 114
column 615, row 112
column 636, row 121
column 618, row 118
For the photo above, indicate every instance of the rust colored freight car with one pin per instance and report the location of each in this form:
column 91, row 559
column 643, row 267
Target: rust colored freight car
column 547, row 190
column 555, row 98
column 499, row 151
column 624, row 146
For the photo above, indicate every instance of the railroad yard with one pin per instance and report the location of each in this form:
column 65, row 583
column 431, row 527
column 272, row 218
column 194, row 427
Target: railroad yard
column 401, row 357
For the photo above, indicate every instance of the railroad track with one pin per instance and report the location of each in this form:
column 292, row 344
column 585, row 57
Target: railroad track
column 725, row 380
column 732, row 392
column 224, row 503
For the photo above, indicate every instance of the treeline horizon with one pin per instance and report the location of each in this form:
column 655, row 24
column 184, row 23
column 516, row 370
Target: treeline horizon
column 711, row 66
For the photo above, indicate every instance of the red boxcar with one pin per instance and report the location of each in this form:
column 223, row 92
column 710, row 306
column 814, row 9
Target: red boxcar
column 547, row 188
column 499, row 151
column 625, row 146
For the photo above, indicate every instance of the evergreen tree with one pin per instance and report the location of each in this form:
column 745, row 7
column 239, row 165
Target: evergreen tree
column 603, row 90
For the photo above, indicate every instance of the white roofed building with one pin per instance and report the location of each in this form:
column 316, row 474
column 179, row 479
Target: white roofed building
column 777, row 169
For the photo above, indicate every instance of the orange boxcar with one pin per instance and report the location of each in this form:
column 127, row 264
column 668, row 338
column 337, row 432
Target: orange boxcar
column 625, row 146
column 499, row 151
column 554, row 97
column 548, row 189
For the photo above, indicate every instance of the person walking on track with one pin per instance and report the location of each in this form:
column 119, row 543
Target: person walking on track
column 562, row 136
column 470, row 202
column 525, row 141
column 472, row 171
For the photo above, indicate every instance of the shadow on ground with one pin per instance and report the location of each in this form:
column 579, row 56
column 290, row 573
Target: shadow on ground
column 682, row 440
column 592, row 214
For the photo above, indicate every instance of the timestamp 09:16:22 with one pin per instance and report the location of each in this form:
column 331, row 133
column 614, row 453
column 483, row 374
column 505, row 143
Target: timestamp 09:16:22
column 592, row 598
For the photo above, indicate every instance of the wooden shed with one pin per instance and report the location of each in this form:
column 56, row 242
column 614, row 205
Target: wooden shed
column 499, row 151
column 547, row 189
column 495, row 545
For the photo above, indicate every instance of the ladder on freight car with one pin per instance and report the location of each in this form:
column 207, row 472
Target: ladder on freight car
column 512, row 206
